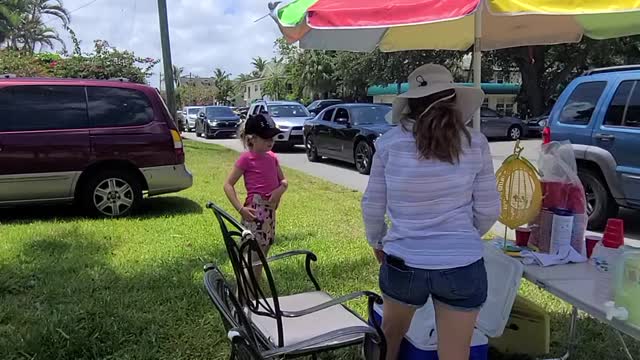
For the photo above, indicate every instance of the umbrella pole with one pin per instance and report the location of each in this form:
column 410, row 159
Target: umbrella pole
column 477, row 58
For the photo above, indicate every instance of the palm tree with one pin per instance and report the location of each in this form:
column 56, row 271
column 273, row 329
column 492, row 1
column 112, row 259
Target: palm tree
column 10, row 16
column 317, row 73
column 32, row 30
column 224, row 86
column 259, row 65
column 177, row 74
column 53, row 8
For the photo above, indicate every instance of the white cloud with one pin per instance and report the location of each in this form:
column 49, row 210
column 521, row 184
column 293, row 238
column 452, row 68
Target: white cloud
column 205, row 34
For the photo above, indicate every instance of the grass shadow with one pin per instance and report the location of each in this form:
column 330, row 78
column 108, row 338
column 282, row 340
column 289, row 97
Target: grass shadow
column 149, row 208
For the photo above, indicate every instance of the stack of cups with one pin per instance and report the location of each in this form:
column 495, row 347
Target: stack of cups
column 613, row 236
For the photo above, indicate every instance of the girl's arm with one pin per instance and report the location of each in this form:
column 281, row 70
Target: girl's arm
column 230, row 191
column 283, row 180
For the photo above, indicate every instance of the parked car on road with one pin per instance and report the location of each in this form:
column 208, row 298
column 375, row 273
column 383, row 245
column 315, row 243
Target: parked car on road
column 215, row 121
column 494, row 124
column 181, row 120
column 319, row 105
column 191, row 114
column 537, row 124
column 599, row 113
column 100, row 144
column 347, row 132
column 289, row 117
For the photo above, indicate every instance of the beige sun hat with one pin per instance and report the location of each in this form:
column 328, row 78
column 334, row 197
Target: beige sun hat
column 431, row 79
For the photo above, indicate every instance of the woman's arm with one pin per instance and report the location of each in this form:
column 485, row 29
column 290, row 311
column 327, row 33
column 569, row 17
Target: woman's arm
column 486, row 199
column 374, row 203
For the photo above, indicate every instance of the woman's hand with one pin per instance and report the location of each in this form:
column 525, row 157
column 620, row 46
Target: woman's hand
column 379, row 254
column 247, row 213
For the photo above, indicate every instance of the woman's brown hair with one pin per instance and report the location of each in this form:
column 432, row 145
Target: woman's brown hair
column 440, row 131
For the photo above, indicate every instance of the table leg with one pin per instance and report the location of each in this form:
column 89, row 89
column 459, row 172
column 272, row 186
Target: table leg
column 573, row 329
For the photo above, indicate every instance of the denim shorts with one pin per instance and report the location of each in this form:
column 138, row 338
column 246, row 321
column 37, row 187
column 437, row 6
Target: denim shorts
column 463, row 288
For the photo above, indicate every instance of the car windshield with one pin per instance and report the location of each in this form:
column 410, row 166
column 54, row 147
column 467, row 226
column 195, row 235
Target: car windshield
column 288, row 111
column 219, row 111
column 314, row 104
column 369, row 115
column 193, row 111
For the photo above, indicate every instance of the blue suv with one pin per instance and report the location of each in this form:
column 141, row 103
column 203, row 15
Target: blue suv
column 599, row 113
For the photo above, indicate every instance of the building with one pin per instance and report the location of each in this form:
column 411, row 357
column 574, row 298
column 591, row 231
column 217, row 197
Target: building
column 499, row 96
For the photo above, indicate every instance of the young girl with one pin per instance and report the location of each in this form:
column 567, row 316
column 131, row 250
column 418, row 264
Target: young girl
column 263, row 179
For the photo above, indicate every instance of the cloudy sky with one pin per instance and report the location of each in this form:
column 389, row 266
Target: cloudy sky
column 205, row 34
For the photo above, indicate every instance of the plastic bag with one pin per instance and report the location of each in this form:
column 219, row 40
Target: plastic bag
column 561, row 191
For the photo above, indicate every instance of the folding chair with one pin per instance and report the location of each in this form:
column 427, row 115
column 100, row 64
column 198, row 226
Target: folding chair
column 300, row 324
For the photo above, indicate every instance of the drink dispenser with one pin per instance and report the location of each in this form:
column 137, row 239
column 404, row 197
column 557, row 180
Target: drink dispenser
column 627, row 284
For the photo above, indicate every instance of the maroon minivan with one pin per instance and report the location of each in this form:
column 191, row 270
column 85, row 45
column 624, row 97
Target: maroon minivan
column 101, row 144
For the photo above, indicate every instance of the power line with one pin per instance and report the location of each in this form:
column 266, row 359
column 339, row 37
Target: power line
column 74, row 10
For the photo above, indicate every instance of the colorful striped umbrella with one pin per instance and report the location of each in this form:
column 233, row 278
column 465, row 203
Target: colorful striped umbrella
column 396, row 25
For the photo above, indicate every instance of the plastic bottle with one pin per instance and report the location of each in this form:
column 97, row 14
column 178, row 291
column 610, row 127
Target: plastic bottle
column 605, row 257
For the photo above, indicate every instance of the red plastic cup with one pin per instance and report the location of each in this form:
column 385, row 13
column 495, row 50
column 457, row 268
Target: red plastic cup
column 591, row 241
column 522, row 236
column 613, row 234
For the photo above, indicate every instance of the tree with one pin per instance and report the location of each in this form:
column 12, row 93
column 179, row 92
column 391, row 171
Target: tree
column 223, row 84
column 31, row 29
column 10, row 16
column 259, row 64
column 276, row 83
column 545, row 70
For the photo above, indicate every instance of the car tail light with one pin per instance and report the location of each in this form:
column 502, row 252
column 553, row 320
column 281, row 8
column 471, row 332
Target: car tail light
column 546, row 135
column 178, row 146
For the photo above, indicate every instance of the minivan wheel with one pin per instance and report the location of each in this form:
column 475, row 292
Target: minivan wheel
column 112, row 193
column 600, row 204
column 515, row 132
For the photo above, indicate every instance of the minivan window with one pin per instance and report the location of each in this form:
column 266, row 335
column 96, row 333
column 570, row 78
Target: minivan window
column 193, row 111
column 581, row 104
column 112, row 107
column 41, row 107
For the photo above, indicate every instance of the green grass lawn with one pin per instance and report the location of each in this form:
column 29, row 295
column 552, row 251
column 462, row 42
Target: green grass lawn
column 76, row 288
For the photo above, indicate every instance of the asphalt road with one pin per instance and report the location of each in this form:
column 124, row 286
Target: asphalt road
column 345, row 175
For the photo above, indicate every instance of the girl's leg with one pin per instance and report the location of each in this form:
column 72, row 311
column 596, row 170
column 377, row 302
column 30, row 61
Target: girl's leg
column 455, row 330
column 395, row 324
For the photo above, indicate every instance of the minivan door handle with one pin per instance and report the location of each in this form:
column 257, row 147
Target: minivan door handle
column 605, row 137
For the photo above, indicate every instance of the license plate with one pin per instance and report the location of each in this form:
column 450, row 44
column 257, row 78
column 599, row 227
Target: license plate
column 296, row 132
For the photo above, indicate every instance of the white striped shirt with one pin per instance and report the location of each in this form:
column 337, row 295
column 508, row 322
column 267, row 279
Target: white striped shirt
column 438, row 211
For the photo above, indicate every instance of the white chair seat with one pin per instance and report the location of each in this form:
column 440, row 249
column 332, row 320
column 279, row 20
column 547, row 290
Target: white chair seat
column 307, row 327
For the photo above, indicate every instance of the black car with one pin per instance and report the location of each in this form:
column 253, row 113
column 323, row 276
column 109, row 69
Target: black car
column 317, row 106
column 537, row 124
column 347, row 132
column 216, row 121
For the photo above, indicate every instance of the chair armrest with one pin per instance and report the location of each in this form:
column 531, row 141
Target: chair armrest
column 337, row 301
column 291, row 253
column 310, row 257
column 238, row 334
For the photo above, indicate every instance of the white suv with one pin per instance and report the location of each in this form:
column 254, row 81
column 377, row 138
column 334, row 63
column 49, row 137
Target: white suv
column 289, row 117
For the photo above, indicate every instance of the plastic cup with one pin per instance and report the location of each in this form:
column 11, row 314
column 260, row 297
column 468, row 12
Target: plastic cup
column 591, row 241
column 613, row 234
column 522, row 236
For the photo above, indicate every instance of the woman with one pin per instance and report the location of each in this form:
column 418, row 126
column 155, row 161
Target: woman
column 433, row 178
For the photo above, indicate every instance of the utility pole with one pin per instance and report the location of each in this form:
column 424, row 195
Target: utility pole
column 166, row 57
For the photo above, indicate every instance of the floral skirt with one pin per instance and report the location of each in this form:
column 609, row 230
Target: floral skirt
column 264, row 226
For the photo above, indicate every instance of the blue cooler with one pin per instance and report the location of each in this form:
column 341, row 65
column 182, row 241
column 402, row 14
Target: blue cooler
column 504, row 274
